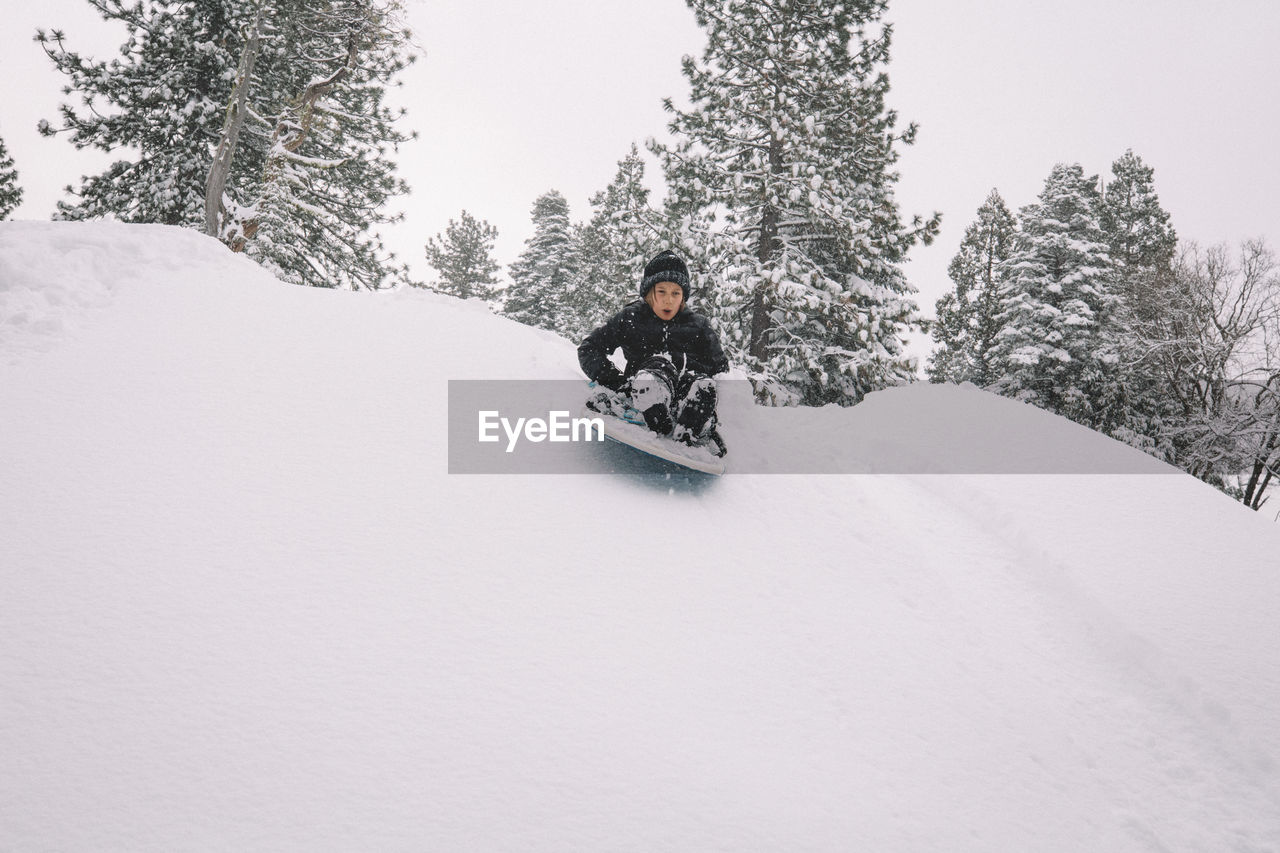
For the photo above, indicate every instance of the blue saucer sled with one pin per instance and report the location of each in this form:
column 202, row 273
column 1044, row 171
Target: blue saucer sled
column 637, row 436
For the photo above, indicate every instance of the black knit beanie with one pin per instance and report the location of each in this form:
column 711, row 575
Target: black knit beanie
column 667, row 266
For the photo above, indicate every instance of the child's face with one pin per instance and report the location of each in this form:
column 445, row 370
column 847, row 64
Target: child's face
column 665, row 299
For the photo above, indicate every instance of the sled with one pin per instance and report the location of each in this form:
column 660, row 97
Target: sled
column 639, row 437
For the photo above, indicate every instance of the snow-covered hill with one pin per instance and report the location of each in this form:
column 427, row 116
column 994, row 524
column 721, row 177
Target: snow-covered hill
column 245, row 607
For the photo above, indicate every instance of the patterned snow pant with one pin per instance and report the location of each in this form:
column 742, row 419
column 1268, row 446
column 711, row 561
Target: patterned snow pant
column 682, row 405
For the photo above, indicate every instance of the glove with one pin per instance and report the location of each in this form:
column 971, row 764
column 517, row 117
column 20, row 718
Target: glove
column 611, row 378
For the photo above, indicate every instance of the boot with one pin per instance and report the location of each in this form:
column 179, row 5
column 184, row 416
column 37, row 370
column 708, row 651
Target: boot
column 658, row 418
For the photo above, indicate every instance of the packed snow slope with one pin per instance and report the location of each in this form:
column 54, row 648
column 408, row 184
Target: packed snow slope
column 245, row 607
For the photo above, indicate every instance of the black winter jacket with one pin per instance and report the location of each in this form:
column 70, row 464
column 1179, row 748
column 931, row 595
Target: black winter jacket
column 687, row 339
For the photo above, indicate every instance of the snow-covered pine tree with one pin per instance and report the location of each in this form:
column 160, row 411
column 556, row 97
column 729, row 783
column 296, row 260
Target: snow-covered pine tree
column 783, row 175
column 1137, row 227
column 329, row 138
column 546, row 270
column 968, row 322
column 10, row 191
column 1142, row 248
column 1057, row 348
column 624, row 233
column 312, row 164
column 159, row 103
column 463, row 256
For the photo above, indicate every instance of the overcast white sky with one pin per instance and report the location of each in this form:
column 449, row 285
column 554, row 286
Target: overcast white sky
column 515, row 98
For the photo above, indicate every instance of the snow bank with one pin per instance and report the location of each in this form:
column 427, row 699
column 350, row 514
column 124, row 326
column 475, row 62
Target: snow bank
column 245, row 606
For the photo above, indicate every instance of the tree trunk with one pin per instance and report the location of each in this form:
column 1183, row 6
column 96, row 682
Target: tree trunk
column 216, row 185
column 761, row 323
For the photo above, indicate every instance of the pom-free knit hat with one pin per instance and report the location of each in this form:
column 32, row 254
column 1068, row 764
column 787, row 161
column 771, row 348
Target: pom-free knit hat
column 667, row 266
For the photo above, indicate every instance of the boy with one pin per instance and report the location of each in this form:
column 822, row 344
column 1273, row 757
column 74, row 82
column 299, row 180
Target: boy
column 671, row 354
